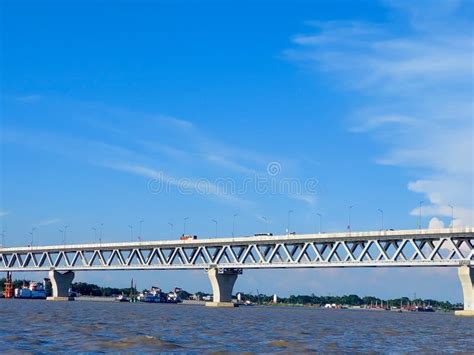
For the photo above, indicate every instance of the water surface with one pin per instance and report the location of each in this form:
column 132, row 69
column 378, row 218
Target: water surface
column 41, row 326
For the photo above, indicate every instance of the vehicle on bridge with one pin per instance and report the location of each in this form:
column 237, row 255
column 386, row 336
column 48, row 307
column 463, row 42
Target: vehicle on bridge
column 188, row 237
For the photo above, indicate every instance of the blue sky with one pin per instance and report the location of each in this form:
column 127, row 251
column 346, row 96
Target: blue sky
column 116, row 112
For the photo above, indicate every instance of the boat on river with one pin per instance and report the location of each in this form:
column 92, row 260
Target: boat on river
column 35, row 290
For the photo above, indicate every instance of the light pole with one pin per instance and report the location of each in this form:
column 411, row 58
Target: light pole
column 184, row 225
column 419, row 218
column 452, row 216
column 215, row 221
column 95, row 233
column 349, row 226
column 381, row 213
column 265, row 220
column 100, row 234
column 320, row 221
column 131, row 232
column 288, row 225
column 32, row 235
column 3, row 238
column 233, row 224
column 140, row 230
column 64, row 235
column 171, row 227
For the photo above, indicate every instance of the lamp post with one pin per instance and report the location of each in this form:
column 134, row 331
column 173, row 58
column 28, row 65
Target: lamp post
column 184, row 225
column 140, row 230
column 171, row 227
column 32, row 235
column 265, row 220
column 349, row 226
column 3, row 239
column 233, row 224
column 381, row 213
column 100, row 234
column 320, row 221
column 131, row 232
column 215, row 221
column 288, row 224
column 95, row 233
column 452, row 216
column 64, row 235
column 419, row 218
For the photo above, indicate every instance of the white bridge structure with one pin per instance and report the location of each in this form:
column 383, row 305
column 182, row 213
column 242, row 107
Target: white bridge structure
column 225, row 258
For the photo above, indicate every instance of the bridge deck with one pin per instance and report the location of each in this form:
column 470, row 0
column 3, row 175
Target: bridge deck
column 444, row 247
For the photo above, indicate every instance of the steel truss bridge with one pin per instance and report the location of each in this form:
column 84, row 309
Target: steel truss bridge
column 403, row 248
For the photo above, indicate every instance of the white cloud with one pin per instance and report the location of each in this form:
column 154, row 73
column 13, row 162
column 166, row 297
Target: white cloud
column 416, row 83
column 435, row 223
column 4, row 213
column 160, row 182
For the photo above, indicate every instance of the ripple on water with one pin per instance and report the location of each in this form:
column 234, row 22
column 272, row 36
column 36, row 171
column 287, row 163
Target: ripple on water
column 114, row 327
column 143, row 342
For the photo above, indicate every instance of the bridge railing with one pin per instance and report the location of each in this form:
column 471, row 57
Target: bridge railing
column 445, row 247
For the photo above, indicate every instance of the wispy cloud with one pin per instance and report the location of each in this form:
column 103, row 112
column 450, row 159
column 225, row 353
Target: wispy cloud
column 4, row 213
column 49, row 221
column 183, row 185
column 108, row 136
column 416, row 92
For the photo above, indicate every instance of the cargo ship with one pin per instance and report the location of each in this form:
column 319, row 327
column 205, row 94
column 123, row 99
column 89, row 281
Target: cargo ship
column 35, row 290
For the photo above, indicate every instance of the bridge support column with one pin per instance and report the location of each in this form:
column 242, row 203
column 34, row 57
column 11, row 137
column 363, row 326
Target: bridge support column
column 466, row 275
column 61, row 283
column 222, row 281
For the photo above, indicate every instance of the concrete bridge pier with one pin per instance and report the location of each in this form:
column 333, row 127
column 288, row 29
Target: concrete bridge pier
column 61, row 283
column 466, row 275
column 222, row 281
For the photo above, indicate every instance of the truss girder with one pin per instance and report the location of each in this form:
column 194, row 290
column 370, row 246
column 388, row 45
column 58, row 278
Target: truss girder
column 413, row 251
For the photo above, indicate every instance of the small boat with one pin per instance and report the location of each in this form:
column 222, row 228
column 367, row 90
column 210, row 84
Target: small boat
column 173, row 296
column 122, row 298
column 153, row 295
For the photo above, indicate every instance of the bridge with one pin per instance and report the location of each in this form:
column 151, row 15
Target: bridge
column 225, row 258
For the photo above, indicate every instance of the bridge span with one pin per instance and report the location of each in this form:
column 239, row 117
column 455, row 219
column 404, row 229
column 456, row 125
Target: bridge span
column 225, row 258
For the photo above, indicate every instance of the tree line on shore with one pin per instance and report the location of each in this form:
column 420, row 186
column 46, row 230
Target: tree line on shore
column 88, row 289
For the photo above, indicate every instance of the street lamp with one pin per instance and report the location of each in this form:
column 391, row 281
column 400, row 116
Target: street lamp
column 140, row 230
column 419, row 218
column 3, row 239
column 64, row 234
column 233, row 224
column 100, row 234
column 349, row 226
column 265, row 220
column 171, row 226
column 320, row 221
column 32, row 235
column 288, row 225
column 131, row 232
column 184, row 225
column 381, row 213
column 95, row 233
column 215, row 221
column 452, row 216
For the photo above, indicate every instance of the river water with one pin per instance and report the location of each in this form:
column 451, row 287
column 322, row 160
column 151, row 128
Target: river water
column 41, row 326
